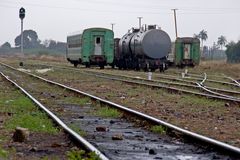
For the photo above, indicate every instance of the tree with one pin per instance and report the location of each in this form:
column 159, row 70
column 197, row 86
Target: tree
column 30, row 39
column 233, row 52
column 222, row 41
column 196, row 36
column 202, row 35
column 52, row 44
column 6, row 45
column 5, row 48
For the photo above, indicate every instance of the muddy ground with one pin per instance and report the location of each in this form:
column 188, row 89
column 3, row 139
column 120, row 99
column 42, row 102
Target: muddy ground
column 39, row 145
column 214, row 118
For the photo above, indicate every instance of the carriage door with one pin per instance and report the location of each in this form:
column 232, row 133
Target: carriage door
column 187, row 51
column 98, row 46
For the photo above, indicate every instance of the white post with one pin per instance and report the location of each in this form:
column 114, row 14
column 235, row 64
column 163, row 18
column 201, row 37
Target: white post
column 22, row 36
column 149, row 75
column 183, row 74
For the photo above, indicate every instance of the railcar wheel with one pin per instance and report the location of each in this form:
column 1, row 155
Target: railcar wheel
column 75, row 64
column 101, row 66
column 87, row 65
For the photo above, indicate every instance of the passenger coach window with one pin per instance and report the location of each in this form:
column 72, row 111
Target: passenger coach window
column 98, row 40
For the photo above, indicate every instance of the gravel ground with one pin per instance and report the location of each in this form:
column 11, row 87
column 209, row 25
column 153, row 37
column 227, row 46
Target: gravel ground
column 39, row 144
column 217, row 119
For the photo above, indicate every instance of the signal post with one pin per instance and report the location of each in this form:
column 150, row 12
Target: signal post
column 21, row 16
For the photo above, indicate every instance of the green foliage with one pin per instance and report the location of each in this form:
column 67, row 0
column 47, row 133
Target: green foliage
column 30, row 39
column 6, row 45
column 233, row 52
column 77, row 129
column 108, row 112
column 199, row 101
column 18, row 105
column 25, row 114
column 34, row 121
column 81, row 155
column 33, row 45
column 158, row 129
column 202, row 35
column 222, row 41
column 3, row 153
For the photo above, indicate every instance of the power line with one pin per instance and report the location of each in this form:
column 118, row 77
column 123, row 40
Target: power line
column 183, row 11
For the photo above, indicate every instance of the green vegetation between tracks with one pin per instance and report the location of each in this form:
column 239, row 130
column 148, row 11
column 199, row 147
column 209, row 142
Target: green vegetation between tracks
column 108, row 112
column 81, row 155
column 158, row 129
column 22, row 113
column 16, row 110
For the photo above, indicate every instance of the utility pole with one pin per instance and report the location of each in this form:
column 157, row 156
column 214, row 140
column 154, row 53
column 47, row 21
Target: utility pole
column 21, row 16
column 140, row 20
column 22, row 36
column 112, row 25
column 175, row 20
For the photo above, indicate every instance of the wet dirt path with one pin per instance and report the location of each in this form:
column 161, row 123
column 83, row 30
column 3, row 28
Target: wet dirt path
column 117, row 138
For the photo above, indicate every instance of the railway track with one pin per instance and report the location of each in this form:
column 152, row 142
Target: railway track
column 182, row 85
column 198, row 88
column 190, row 80
column 77, row 138
column 214, row 92
column 172, row 146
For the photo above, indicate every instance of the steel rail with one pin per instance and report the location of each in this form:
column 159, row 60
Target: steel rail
column 223, row 90
column 156, row 81
column 202, row 138
column 199, row 78
column 152, row 85
column 234, row 81
column 216, row 93
column 72, row 133
column 221, row 82
column 170, row 83
column 204, row 79
column 212, row 95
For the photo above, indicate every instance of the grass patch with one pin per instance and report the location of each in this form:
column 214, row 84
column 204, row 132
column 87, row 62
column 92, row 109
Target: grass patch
column 3, row 153
column 25, row 114
column 17, row 105
column 3, row 138
column 81, row 154
column 34, row 121
column 158, row 129
column 108, row 112
column 199, row 101
column 77, row 130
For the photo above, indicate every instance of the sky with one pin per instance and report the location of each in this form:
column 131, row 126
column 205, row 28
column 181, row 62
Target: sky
column 55, row 19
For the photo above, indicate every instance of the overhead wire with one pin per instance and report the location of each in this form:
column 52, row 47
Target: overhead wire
column 165, row 9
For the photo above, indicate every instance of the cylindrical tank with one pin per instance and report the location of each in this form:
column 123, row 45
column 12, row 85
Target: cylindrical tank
column 124, row 43
column 116, row 48
column 153, row 43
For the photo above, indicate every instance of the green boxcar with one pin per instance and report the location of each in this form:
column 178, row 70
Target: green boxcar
column 94, row 46
column 187, row 51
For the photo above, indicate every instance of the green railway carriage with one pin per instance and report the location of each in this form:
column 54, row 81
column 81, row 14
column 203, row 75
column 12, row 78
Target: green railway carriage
column 94, row 46
column 187, row 51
